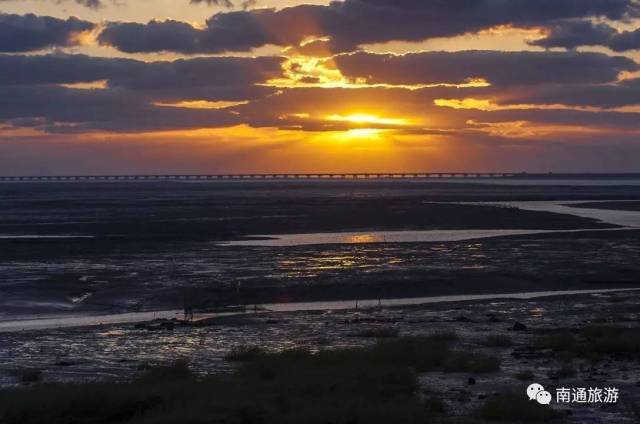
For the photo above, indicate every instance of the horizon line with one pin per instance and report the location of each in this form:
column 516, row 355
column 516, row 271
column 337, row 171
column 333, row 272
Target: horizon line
column 313, row 176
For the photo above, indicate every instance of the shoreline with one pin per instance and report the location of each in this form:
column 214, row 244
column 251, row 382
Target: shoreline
column 63, row 322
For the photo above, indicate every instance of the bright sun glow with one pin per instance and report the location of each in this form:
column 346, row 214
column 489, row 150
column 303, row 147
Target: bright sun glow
column 359, row 139
column 361, row 118
column 362, row 132
column 368, row 126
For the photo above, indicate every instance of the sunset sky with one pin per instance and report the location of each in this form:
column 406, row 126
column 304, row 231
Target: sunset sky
column 205, row 86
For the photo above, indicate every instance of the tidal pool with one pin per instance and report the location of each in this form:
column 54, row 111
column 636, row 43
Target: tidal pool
column 624, row 219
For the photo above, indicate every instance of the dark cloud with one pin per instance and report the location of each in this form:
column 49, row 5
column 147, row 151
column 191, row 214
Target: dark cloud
column 91, row 4
column 497, row 67
column 245, row 4
column 352, row 23
column 233, row 31
column 562, row 117
column 166, row 35
column 59, row 109
column 218, row 78
column 23, row 33
column 575, row 33
column 372, row 21
column 521, row 11
column 600, row 96
column 201, row 72
column 626, row 40
column 572, row 34
column 632, row 82
column 30, row 94
column 63, row 69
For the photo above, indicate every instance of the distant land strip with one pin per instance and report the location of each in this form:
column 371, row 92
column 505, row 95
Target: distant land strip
column 314, row 176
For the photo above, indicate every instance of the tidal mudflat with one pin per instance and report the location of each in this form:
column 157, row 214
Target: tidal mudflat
column 619, row 215
column 71, row 253
column 139, row 246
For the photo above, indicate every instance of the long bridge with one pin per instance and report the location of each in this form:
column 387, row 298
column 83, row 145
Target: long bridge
column 315, row 176
column 216, row 177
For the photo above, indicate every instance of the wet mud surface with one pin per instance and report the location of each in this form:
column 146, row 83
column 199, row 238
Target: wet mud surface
column 151, row 243
column 119, row 351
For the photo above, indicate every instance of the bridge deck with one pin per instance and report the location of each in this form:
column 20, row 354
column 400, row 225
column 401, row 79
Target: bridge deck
column 213, row 177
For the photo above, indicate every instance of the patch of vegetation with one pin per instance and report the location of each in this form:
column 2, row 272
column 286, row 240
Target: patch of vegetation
column 563, row 341
column 612, row 339
column 435, row 405
column 433, row 353
column 447, row 336
column 594, row 341
column 350, row 386
column 244, row 353
column 176, row 371
column 30, row 375
column 476, row 362
column 497, row 340
column 515, row 407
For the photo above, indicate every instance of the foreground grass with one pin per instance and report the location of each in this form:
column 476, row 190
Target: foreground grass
column 364, row 385
column 513, row 407
column 594, row 341
column 244, row 353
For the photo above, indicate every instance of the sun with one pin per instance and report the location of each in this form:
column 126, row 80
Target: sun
column 370, row 139
column 366, row 119
column 363, row 132
column 367, row 126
